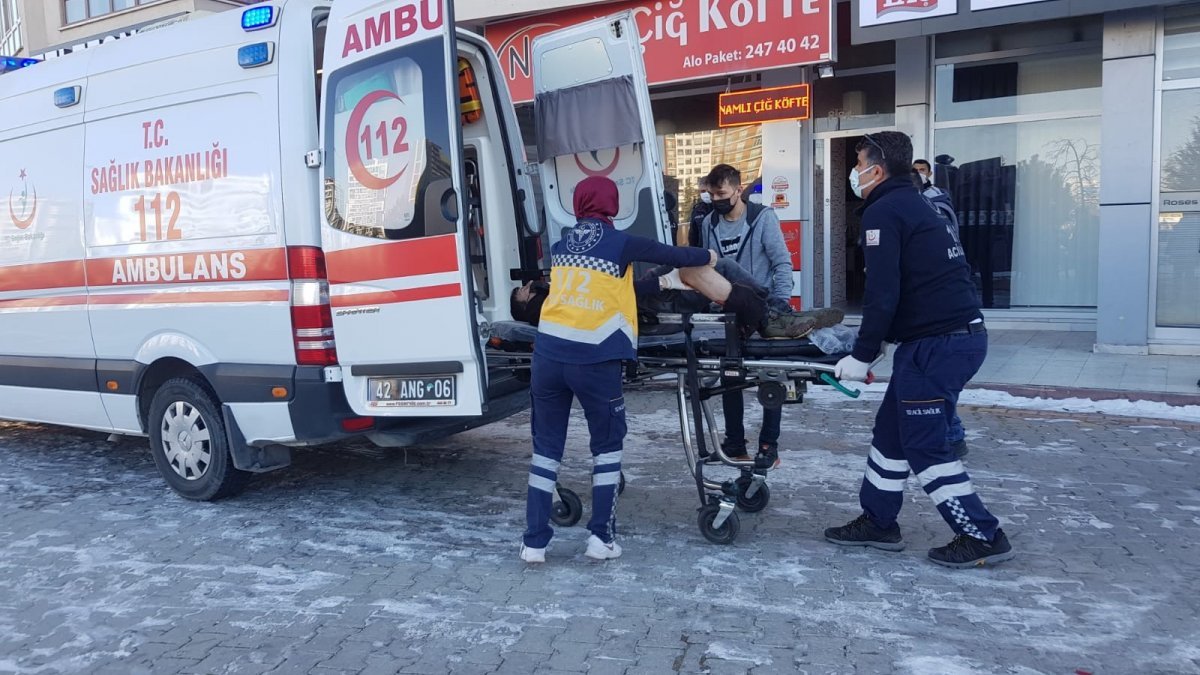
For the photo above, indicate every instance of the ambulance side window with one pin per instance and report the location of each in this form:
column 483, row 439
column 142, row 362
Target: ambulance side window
column 388, row 143
column 320, row 23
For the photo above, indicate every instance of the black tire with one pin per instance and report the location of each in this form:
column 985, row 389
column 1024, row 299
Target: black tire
column 723, row 535
column 568, row 511
column 621, row 485
column 201, row 470
column 752, row 504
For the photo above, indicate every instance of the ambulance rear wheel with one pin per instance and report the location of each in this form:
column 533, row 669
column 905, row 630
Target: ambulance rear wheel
column 726, row 533
column 188, row 442
column 568, row 510
column 621, row 485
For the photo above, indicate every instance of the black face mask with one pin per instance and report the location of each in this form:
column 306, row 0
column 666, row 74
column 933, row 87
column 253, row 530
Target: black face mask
column 723, row 206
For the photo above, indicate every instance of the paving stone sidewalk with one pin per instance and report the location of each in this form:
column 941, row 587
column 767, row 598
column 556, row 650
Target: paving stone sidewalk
column 349, row 564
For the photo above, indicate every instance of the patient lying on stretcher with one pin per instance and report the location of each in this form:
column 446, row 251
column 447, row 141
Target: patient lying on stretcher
column 725, row 288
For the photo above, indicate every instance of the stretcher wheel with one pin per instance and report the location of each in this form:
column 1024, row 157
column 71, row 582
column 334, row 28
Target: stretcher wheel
column 722, row 535
column 754, row 504
column 568, row 510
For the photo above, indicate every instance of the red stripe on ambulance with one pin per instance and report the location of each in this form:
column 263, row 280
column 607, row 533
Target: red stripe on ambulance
column 394, row 297
column 35, row 276
column 429, row 255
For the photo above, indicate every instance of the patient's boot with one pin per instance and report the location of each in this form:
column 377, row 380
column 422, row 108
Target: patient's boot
column 826, row 317
column 750, row 308
column 787, row 325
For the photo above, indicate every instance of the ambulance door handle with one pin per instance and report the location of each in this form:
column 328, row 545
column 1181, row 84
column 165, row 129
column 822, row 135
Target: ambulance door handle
column 450, row 205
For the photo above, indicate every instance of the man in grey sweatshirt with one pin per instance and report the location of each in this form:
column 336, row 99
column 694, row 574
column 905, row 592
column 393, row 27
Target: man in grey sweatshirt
column 750, row 235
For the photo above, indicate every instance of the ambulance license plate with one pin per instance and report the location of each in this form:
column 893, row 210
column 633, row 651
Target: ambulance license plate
column 411, row 392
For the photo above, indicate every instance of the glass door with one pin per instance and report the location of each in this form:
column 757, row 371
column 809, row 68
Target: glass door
column 1175, row 302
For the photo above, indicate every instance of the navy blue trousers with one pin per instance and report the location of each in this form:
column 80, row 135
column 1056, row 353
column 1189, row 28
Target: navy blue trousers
column 910, row 434
column 598, row 388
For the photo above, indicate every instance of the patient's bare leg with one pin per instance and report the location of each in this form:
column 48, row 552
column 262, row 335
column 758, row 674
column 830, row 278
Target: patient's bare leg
column 707, row 282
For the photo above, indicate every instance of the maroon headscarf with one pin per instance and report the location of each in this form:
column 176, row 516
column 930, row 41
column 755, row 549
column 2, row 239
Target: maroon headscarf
column 596, row 198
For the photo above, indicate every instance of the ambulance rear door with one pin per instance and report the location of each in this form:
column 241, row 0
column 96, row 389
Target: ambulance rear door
column 593, row 118
column 393, row 234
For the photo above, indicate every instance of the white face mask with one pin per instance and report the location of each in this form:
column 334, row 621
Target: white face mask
column 706, row 197
column 854, row 178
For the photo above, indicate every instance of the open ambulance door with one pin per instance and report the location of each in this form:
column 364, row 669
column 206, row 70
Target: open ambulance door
column 400, row 287
column 593, row 118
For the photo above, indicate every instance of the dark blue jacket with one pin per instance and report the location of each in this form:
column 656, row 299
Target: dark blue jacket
column 918, row 280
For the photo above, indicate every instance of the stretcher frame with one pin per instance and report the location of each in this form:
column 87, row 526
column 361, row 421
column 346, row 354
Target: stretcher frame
column 779, row 380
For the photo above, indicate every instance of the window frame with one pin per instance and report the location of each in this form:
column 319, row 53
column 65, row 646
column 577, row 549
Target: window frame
column 1162, row 335
column 10, row 28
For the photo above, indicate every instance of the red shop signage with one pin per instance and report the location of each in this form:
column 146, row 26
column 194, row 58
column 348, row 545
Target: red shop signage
column 687, row 39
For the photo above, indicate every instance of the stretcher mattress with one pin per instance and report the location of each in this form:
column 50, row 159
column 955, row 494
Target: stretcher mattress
column 709, row 341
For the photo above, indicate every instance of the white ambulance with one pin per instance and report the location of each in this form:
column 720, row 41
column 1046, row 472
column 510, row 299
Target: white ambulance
column 281, row 227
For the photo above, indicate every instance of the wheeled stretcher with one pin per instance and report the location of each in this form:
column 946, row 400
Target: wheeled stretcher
column 700, row 350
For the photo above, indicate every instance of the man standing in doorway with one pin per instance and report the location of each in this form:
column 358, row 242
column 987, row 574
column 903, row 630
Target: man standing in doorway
column 956, row 435
column 919, row 294
column 750, row 235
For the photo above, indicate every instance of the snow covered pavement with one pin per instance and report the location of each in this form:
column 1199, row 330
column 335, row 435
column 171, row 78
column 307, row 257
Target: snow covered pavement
column 348, row 564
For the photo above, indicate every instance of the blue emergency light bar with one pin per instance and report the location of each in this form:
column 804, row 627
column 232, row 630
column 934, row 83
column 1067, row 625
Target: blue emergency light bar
column 258, row 18
column 67, row 96
column 11, row 63
column 257, row 54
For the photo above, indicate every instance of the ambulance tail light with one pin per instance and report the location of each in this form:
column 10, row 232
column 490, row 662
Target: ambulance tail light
column 312, row 318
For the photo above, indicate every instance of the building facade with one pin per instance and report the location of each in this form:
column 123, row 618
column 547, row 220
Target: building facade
column 1067, row 133
column 37, row 28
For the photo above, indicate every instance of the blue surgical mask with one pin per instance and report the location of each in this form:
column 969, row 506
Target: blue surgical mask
column 706, row 197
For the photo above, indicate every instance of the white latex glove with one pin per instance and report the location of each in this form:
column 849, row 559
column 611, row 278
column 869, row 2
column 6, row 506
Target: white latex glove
column 671, row 281
column 712, row 258
column 851, row 369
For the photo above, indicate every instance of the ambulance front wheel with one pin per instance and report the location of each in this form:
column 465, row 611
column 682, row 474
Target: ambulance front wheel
column 567, row 511
column 188, row 441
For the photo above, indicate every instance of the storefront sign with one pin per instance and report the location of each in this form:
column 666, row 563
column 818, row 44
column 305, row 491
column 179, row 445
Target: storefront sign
column 776, row 104
column 992, row 4
column 1179, row 202
column 878, row 12
column 687, row 39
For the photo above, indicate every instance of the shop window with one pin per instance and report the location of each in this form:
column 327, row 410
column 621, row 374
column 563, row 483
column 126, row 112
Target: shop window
column 1027, row 197
column 1046, row 84
column 1178, row 304
column 738, row 146
column 1181, row 43
column 854, row 102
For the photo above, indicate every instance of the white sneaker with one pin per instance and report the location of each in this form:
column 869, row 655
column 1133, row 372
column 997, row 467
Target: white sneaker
column 598, row 550
column 533, row 555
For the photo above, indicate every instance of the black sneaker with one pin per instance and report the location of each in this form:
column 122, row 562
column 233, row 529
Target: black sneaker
column 960, row 448
column 862, row 532
column 767, row 457
column 965, row 551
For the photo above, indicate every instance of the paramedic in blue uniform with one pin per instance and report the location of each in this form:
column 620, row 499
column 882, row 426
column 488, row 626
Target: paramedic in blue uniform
column 918, row 294
column 588, row 327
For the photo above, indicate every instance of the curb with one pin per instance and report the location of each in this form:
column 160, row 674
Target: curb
column 1060, row 393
